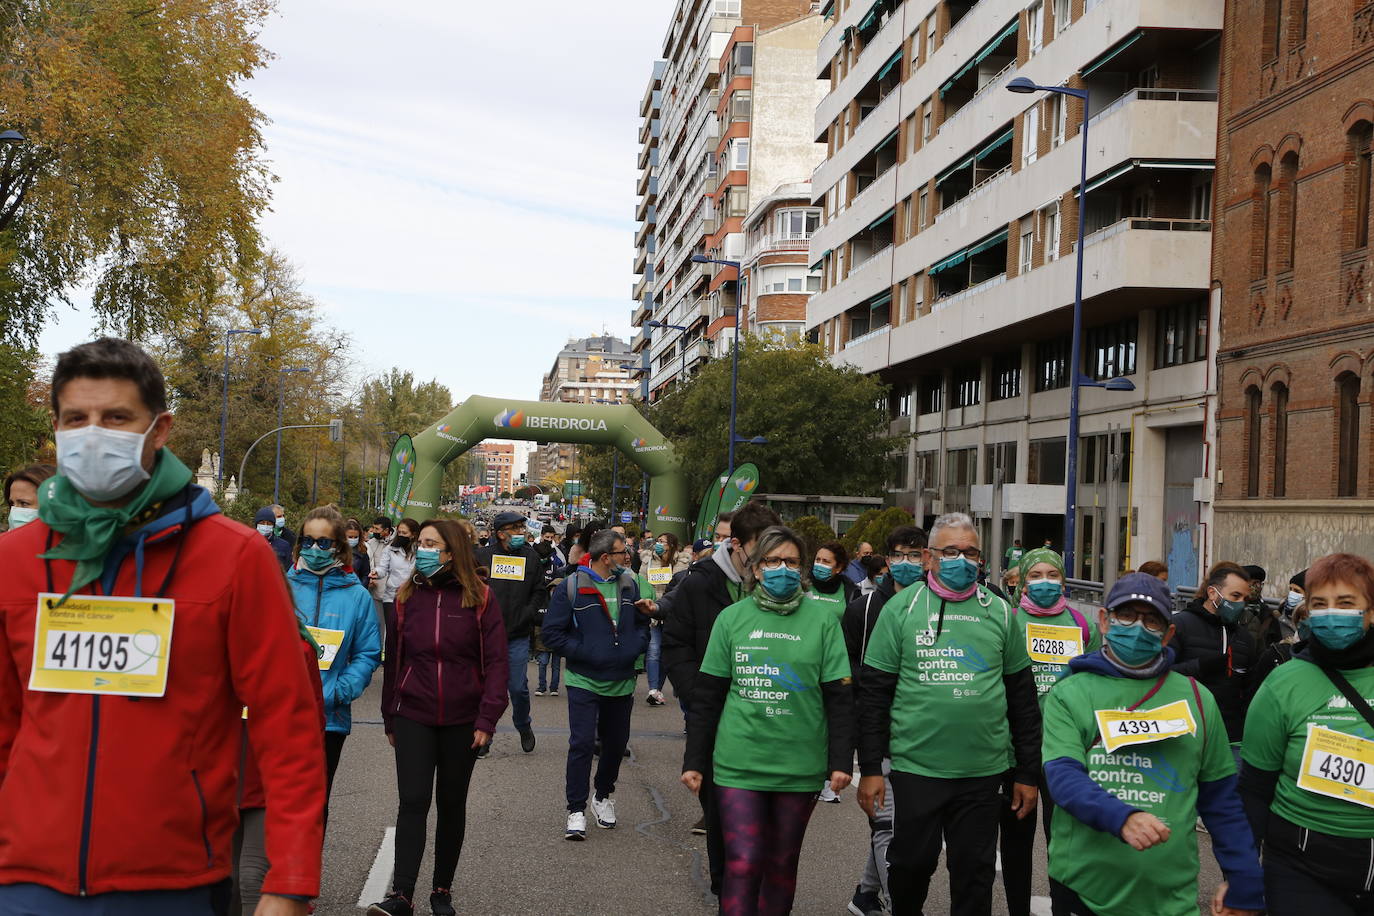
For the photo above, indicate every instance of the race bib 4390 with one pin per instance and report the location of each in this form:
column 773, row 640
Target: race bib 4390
column 1338, row 765
column 1120, row 728
column 101, row 644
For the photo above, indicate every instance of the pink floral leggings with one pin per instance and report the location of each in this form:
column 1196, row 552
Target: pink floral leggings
column 763, row 842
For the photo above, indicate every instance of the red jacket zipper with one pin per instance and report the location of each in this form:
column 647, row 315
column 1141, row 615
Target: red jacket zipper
column 438, row 655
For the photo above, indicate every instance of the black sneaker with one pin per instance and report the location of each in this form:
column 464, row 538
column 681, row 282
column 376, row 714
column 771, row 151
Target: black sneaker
column 441, row 903
column 699, row 828
column 393, row 905
column 484, row 750
column 527, row 739
column 865, row 903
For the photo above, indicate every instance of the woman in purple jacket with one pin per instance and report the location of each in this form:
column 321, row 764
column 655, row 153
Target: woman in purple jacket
column 443, row 690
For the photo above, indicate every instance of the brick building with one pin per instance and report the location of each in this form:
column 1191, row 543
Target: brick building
column 778, row 280
column 1291, row 268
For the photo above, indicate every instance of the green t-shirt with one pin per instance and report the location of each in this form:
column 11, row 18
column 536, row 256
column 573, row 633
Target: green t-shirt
column 834, row 603
column 949, row 714
column 773, row 735
column 1295, row 696
column 1160, row 778
column 1043, row 646
column 610, row 593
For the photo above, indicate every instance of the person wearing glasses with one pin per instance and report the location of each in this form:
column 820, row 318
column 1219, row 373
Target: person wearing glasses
column 1135, row 752
column 337, row 610
column 772, row 715
column 517, row 579
column 594, row 624
column 905, row 558
column 946, row 691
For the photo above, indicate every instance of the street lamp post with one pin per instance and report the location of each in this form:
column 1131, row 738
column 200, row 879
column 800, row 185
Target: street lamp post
column 1024, row 86
column 224, row 408
column 281, row 406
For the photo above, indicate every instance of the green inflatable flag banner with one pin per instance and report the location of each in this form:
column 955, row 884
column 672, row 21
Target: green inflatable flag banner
column 400, row 475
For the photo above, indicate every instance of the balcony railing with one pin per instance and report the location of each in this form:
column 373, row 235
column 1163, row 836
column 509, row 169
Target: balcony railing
column 869, row 335
column 997, row 79
column 1156, row 95
column 1148, row 223
column 973, row 290
column 772, row 243
column 868, row 262
column 975, row 192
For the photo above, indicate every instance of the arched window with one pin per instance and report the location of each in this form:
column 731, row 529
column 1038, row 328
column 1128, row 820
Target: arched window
column 1280, row 401
column 1259, row 224
column 1288, row 213
column 1361, row 138
column 1252, row 443
column 1347, row 434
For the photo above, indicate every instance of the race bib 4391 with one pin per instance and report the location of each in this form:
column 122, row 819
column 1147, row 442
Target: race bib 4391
column 1338, row 765
column 101, row 644
column 1120, row 728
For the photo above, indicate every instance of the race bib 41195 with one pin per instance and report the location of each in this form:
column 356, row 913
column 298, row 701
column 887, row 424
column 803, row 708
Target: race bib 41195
column 102, row 644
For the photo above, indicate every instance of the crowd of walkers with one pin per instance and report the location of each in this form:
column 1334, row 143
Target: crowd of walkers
column 173, row 680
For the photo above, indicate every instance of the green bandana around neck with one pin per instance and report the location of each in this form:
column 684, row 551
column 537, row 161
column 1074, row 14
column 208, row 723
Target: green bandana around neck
column 89, row 532
column 782, row 607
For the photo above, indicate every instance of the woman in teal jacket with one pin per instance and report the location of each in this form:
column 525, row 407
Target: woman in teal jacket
column 338, row 612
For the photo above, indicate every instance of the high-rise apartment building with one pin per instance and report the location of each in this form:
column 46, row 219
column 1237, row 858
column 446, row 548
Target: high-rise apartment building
column 948, row 250
column 1296, row 460
column 646, row 214
column 588, row 370
column 494, row 465
column 733, row 100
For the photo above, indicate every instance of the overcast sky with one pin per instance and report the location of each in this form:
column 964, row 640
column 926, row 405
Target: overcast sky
column 456, row 180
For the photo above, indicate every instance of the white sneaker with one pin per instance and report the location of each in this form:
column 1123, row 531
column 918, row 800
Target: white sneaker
column 828, row 795
column 604, row 809
column 577, row 826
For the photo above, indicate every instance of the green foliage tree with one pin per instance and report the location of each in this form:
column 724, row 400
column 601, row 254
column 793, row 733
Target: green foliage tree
column 825, row 430
column 874, row 526
column 141, row 171
column 814, row 531
column 25, row 418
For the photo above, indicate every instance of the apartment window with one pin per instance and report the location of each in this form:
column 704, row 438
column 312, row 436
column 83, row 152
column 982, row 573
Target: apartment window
column 1052, row 364
column 739, row 154
column 911, row 226
column 738, row 202
column 926, row 120
column 1200, row 205
column 927, row 470
column 913, row 127
column 1252, row 441
column 1035, row 20
column 999, row 455
column 1259, row 226
column 727, row 8
column 1181, row 334
column 1062, row 15
column 1348, row 438
column 961, row 467
column 919, row 297
column 1051, row 221
column 1288, row 184
column 788, row 278
column 1095, row 456
column 922, row 207
column 742, row 57
column 1059, row 117
column 798, row 225
column 1361, row 143
column 1026, row 248
column 931, row 29
column 741, row 105
column 902, row 401
column 813, row 282
column 711, row 168
column 1030, row 135
column 932, row 390
column 967, row 387
column 1280, row 393
column 1006, row 376
column 1110, row 349
column 1046, row 459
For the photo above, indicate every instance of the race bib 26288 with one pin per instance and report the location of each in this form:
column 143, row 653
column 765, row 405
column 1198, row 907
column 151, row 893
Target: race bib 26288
column 1053, row 645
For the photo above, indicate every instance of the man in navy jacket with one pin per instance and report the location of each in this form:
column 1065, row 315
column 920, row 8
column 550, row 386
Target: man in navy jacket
column 592, row 622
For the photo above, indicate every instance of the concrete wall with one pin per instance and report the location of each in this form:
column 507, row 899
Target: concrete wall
column 786, row 93
column 1286, row 535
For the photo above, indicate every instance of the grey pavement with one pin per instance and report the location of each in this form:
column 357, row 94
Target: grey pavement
column 515, row 860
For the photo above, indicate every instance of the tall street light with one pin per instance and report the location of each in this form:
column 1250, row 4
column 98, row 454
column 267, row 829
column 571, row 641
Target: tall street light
column 224, row 408
column 734, row 353
column 651, row 323
column 1076, row 379
column 281, row 406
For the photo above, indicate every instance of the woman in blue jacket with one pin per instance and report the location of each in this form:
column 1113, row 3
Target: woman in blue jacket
column 337, row 610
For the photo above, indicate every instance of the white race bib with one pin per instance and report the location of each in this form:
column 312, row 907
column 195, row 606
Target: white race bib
column 1053, row 645
column 1338, row 765
column 102, row 644
column 1120, row 728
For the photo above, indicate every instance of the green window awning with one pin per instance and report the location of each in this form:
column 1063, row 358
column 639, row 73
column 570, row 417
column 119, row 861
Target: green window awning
column 947, row 173
column 886, row 140
column 983, row 54
column 828, row 10
column 1106, row 57
column 994, row 146
column 887, row 67
column 1125, row 167
column 824, row 254
column 987, row 243
column 953, row 260
column 880, row 301
column 871, row 17
column 882, row 219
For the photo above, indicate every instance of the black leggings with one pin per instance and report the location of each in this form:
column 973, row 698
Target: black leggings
column 333, row 748
column 422, row 751
column 1310, row 872
column 1018, row 846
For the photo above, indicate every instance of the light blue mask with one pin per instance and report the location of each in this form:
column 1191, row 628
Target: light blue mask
column 517, row 541
column 427, row 561
column 659, row 549
column 781, row 582
column 905, row 573
column 21, row 515
column 821, row 573
column 317, row 559
column 1133, row 644
column 1045, row 592
column 1337, row 628
column 957, row 573
column 1292, row 601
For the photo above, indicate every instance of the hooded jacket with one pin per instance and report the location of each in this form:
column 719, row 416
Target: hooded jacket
column 692, row 609
column 280, row 546
column 112, row 793
column 1220, row 656
column 582, row 631
column 394, row 567
column 446, row 664
column 338, row 601
column 521, row 599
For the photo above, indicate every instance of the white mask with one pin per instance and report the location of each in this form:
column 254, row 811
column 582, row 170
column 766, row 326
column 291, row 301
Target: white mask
column 265, row 529
column 102, row 464
column 19, row 515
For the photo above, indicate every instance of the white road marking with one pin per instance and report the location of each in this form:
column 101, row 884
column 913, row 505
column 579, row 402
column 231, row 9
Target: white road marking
column 1040, row 906
column 377, row 879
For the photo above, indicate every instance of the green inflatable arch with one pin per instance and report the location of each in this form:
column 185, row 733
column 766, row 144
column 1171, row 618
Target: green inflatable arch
column 480, row 418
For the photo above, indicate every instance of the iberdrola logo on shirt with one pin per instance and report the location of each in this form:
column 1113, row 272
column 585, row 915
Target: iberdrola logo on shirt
column 760, row 634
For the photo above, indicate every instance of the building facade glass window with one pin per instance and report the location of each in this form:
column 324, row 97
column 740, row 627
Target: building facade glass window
column 1006, row 376
column 1361, row 144
column 1181, row 334
column 1051, row 222
column 932, row 390
column 1052, row 364
column 967, row 387
column 1252, row 441
column 1280, row 396
column 1348, row 434
column 1109, row 350
column 1046, row 459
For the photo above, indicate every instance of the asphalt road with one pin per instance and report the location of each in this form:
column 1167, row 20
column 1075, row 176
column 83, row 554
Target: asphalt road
column 515, row 860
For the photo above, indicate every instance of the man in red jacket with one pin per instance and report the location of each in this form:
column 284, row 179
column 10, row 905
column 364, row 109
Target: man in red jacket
column 136, row 622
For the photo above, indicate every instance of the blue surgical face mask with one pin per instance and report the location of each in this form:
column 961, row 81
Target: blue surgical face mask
column 1229, row 611
column 880, row 579
column 265, row 529
column 1305, row 630
column 905, row 573
column 317, row 559
column 352, row 542
column 1293, row 600
column 821, row 573
column 781, row 582
column 517, row 541
column 660, row 549
column 102, row 464
column 1134, row 645
column 1337, row 628
column 427, row 561
column 21, row 515
column 957, row 573
column 1045, row 592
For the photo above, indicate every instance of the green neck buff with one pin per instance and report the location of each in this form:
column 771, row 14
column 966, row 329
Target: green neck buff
column 88, row 532
column 783, row 607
